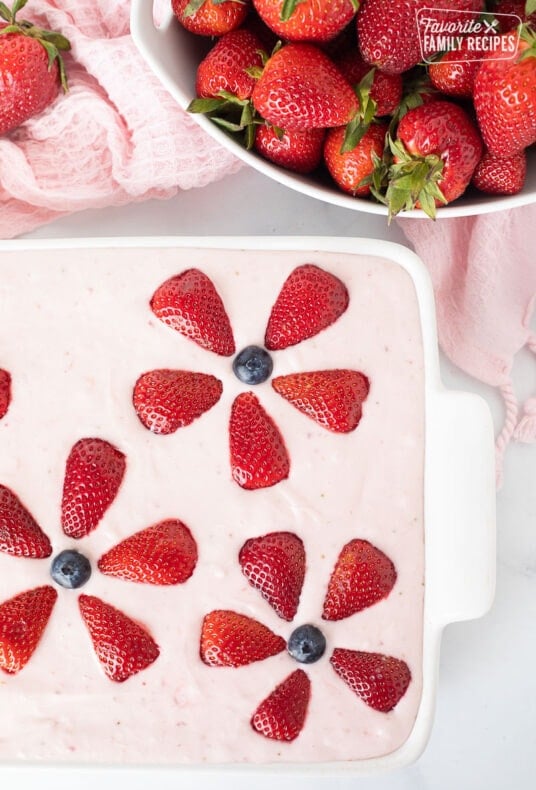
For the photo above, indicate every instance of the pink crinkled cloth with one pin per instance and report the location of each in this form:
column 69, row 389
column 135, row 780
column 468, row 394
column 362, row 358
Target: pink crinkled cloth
column 484, row 275
column 117, row 136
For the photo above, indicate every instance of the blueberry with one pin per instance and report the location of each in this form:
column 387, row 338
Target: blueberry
column 306, row 644
column 253, row 365
column 70, row 569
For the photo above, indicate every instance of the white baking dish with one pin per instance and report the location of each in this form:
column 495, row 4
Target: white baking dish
column 174, row 54
column 459, row 480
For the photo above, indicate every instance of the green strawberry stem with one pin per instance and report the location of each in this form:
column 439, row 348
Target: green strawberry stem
column 358, row 126
column 413, row 179
column 230, row 113
column 53, row 43
column 530, row 7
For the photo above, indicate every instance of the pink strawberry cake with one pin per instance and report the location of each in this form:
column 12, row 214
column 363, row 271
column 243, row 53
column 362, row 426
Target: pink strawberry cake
column 211, row 506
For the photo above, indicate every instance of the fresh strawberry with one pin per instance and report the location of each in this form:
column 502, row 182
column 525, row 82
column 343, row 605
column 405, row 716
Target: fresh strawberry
column 301, row 88
column 190, row 304
column 497, row 176
column 5, row 392
column 225, row 67
column 165, row 553
column 93, row 474
column 122, row 646
column 388, row 33
column 22, row 622
column 385, row 89
column 20, row 534
column 281, row 715
column 306, row 20
column 454, row 72
column 517, row 8
column 352, row 169
column 436, row 153
column 297, row 151
column 333, row 398
column 380, row 681
column 505, row 97
column 259, row 458
column 32, row 72
column 210, row 17
column 166, row 400
column 229, row 639
column 275, row 565
column 310, row 300
column 363, row 575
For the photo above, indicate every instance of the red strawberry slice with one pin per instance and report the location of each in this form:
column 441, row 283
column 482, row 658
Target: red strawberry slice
column 281, row 715
column 165, row 553
column 380, row 681
column 122, row 646
column 22, row 622
column 275, row 565
column 5, row 392
column 190, row 304
column 93, row 474
column 311, row 300
column 259, row 458
column 166, row 400
column 362, row 576
column 333, row 398
column 229, row 639
column 20, row 534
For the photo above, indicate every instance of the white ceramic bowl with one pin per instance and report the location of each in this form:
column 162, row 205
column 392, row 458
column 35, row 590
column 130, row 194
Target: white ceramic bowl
column 459, row 470
column 174, row 54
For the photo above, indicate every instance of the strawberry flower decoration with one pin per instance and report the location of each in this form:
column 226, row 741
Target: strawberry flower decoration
column 274, row 564
column 310, row 301
column 163, row 554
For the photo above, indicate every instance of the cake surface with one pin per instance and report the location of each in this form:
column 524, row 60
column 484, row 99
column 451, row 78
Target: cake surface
column 76, row 333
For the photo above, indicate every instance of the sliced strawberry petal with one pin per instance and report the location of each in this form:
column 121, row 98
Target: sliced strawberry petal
column 363, row 575
column 190, row 304
column 5, row 392
column 281, row 715
column 122, row 646
column 380, row 681
column 229, row 639
column 311, row 300
column 23, row 620
column 275, row 565
column 20, row 534
column 259, row 458
column 166, row 400
column 93, row 474
column 333, row 398
column 165, row 553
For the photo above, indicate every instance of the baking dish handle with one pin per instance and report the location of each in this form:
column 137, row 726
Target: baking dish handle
column 460, row 508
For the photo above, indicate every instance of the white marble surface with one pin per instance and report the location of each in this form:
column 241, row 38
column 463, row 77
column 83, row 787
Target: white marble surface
column 484, row 736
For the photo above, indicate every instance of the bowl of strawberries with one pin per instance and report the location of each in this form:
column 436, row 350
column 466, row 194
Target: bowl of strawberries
column 422, row 108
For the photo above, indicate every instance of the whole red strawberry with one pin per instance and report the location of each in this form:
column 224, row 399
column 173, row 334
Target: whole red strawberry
column 275, row 565
column 31, row 68
column 500, row 176
column 332, row 398
column 505, row 96
column 301, row 88
column 210, row 17
column 20, row 534
column 454, row 72
column 293, row 150
column 380, row 681
column 122, row 646
column 93, row 475
column 259, row 458
column 388, row 33
column 163, row 554
column 5, row 392
column 363, row 575
column 229, row 639
column 349, row 169
column 22, row 622
column 306, row 20
column 224, row 68
column 436, row 152
column 166, row 400
column 281, row 715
